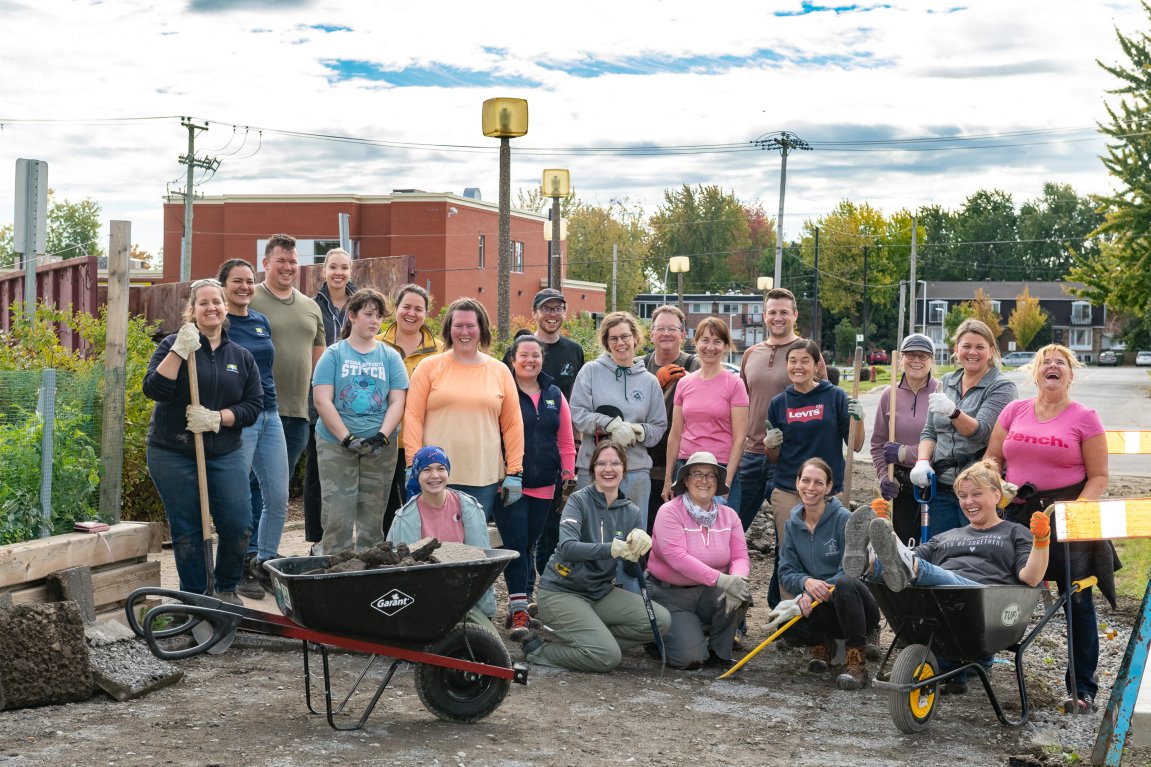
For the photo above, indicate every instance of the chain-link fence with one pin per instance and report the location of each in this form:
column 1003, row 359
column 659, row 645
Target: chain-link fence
column 50, row 424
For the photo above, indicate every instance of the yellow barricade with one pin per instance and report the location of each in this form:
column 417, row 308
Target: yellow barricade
column 1129, row 442
column 1111, row 519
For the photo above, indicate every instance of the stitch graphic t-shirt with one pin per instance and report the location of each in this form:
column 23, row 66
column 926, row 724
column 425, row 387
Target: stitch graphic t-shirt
column 993, row 556
column 362, row 383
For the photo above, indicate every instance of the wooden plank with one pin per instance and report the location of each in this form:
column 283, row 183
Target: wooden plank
column 34, row 560
column 110, row 586
column 115, row 354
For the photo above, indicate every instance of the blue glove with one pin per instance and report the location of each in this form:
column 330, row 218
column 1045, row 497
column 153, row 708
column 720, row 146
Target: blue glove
column 894, row 452
column 888, row 488
column 512, row 489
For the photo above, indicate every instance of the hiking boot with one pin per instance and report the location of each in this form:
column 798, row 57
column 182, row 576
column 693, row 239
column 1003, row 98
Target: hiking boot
column 531, row 644
column 854, row 670
column 263, row 577
column 819, row 658
column 249, row 586
column 855, row 547
column 872, row 650
column 521, row 625
column 897, row 560
column 956, row 685
column 229, row 597
column 714, row 661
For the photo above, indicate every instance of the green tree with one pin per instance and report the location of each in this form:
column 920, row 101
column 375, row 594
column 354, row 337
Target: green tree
column 758, row 258
column 1120, row 275
column 592, row 232
column 988, row 237
column 983, row 310
column 845, row 334
column 955, row 316
column 1053, row 229
column 73, row 230
column 706, row 224
column 1026, row 319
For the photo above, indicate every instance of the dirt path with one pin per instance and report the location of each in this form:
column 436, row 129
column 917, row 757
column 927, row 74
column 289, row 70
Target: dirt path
column 247, row 707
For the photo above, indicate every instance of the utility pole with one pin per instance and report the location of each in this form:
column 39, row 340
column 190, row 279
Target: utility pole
column 208, row 163
column 785, row 142
column 914, row 284
column 866, row 306
column 815, row 314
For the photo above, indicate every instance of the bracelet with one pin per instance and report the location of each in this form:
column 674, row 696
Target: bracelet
column 346, row 440
column 955, row 414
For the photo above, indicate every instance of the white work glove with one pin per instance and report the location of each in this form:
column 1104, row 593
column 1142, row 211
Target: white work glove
column 187, row 340
column 1010, row 490
column 921, row 473
column 201, row 419
column 736, row 591
column 783, row 612
column 773, row 438
column 940, row 404
column 854, row 408
column 640, row 434
column 621, row 432
column 639, row 542
column 619, row 548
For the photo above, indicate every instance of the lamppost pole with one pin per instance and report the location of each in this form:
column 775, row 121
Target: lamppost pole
column 784, row 141
column 505, row 119
column 679, row 265
column 556, row 184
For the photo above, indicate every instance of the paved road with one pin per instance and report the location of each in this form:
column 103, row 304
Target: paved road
column 1120, row 395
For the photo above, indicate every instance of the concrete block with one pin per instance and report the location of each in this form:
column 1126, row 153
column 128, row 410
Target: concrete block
column 74, row 584
column 43, row 656
column 123, row 666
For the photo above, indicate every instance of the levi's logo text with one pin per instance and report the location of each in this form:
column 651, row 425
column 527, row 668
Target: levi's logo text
column 392, row 602
column 809, row 413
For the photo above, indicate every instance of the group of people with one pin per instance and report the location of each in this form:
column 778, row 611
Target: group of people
column 607, row 477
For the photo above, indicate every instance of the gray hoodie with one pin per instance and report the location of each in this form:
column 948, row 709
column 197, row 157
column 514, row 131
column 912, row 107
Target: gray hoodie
column 813, row 554
column 582, row 563
column 637, row 395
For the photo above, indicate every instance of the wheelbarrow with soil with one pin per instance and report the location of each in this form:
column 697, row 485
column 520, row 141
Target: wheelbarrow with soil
column 964, row 624
column 410, row 613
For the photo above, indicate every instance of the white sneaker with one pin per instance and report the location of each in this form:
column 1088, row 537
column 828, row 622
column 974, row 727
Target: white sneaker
column 897, row 560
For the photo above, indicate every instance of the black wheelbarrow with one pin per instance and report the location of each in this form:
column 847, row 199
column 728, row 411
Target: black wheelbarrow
column 964, row 624
column 411, row 614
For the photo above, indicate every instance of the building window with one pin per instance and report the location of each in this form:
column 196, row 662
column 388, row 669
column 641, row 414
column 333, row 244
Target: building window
column 935, row 333
column 517, row 256
column 1081, row 338
column 483, row 257
column 698, row 309
column 1081, row 312
column 995, row 307
column 936, row 311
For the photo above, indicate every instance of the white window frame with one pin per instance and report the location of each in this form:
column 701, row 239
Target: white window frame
column 482, row 251
column 936, row 312
column 1080, row 338
column 1080, row 312
column 517, row 256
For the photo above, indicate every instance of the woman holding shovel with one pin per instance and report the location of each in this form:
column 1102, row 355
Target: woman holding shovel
column 225, row 398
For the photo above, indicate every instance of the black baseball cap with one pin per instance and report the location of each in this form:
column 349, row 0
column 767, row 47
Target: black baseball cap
column 547, row 294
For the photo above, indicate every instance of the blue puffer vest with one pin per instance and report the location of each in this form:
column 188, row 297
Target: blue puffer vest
column 541, row 427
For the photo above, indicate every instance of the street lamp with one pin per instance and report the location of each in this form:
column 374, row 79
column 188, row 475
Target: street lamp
column 556, row 185
column 678, row 265
column 505, row 119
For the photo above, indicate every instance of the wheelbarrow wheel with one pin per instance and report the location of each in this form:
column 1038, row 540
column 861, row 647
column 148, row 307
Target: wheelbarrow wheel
column 459, row 696
column 911, row 711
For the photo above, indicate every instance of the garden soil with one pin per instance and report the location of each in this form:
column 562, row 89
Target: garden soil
column 247, row 707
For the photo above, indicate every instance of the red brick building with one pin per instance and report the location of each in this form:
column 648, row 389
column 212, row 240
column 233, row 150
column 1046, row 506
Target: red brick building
column 451, row 243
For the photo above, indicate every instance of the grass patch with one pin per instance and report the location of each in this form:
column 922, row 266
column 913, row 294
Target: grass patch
column 1135, row 554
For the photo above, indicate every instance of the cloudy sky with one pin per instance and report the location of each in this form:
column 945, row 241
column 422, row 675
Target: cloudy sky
column 905, row 103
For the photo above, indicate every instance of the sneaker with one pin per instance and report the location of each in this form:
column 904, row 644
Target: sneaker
column 531, row 644
column 855, row 547
column 249, row 587
column 854, row 671
column 263, row 577
column 521, row 625
column 956, row 685
column 230, row 597
column 819, row 658
column 897, row 560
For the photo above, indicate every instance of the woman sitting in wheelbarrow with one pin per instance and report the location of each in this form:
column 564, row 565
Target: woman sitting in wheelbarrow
column 433, row 509
column 987, row 551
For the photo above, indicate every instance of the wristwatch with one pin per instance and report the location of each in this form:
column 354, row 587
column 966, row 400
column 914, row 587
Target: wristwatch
column 955, row 414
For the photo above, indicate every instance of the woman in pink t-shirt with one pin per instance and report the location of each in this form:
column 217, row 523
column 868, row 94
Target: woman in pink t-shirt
column 1055, row 450
column 710, row 408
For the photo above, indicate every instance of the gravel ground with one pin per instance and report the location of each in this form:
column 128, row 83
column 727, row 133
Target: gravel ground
column 247, row 707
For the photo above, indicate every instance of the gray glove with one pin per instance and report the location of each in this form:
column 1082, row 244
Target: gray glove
column 773, row 438
column 736, row 591
column 201, row 419
column 783, row 612
column 639, row 432
column 854, row 408
column 187, row 340
column 621, row 432
column 619, row 548
column 357, row 445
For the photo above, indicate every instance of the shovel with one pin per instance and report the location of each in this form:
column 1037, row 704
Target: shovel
column 203, row 630
column 633, row 570
column 787, row 617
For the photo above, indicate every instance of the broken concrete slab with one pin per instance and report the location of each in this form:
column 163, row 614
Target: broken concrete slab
column 43, row 656
column 74, row 584
column 123, row 666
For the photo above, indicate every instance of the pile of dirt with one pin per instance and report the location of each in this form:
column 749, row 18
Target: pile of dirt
column 387, row 555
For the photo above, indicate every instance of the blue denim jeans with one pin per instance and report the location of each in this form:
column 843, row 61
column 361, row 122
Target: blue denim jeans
column 520, row 526
column 944, row 513
column 296, row 433
column 1085, row 637
column 174, row 475
column 487, row 495
column 752, row 486
column 265, row 452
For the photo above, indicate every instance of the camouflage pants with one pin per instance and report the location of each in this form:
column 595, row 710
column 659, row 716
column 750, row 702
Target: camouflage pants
column 354, row 494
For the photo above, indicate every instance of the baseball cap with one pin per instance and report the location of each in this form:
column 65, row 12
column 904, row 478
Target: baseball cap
column 917, row 342
column 547, row 294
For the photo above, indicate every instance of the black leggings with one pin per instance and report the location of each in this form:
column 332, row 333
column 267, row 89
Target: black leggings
column 851, row 615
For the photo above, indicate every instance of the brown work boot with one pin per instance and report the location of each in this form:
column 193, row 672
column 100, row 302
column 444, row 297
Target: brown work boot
column 819, row 658
column 854, row 671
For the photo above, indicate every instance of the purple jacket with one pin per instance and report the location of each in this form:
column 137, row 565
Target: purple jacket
column 910, row 415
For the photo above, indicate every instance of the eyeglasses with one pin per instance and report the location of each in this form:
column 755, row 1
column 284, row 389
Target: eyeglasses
column 205, row 281
column 552, row 309
column 703, row 475
column 624, row 339
column 666, row 331
column 608, row 464
column 921, row 356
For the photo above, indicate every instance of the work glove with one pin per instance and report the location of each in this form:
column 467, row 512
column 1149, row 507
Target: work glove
column 620, row 432
column 669, row 374
column 357, row 445
column 882, row 508
column 783, row 612
column 377, row 443
column 888, row 488
column 512, row 489
column 736, row 592
column 1040, row 530
column 854, row 408
column 1009, row 490
column 187, row 340
column 894, row 452
column 921, row 474
column 619, row 548
column 638, row 430
column 639, row 542
column 201, row 419
column 773, row 438
column 940, row 404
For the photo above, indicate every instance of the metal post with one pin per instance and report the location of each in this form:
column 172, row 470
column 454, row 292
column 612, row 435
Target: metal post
column 555, row 279
column 504, row 268
column 47, row 408
column 614, row 273
column 779, row 221
column 345, row 234
column 679, row 281
column 815, row 318
column 914, row 285
column 866, row 306
column 186, row 242
column 30, row 235
column 902, row 305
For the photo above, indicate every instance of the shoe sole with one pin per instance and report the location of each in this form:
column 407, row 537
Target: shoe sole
column 848, row 682
column 856, row 538
column 886, row 548
column 250, row 593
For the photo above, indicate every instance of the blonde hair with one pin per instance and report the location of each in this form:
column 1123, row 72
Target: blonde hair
column 1035, row 364
column 984, row 474
column 619, row 318
column 979, row 328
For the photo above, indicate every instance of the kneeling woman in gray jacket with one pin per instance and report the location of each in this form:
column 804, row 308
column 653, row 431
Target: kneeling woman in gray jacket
column 594, row 621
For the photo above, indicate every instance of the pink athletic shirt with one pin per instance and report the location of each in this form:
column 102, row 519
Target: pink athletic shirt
column 1048, row 454
column 706, row 409
column 444, row 523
